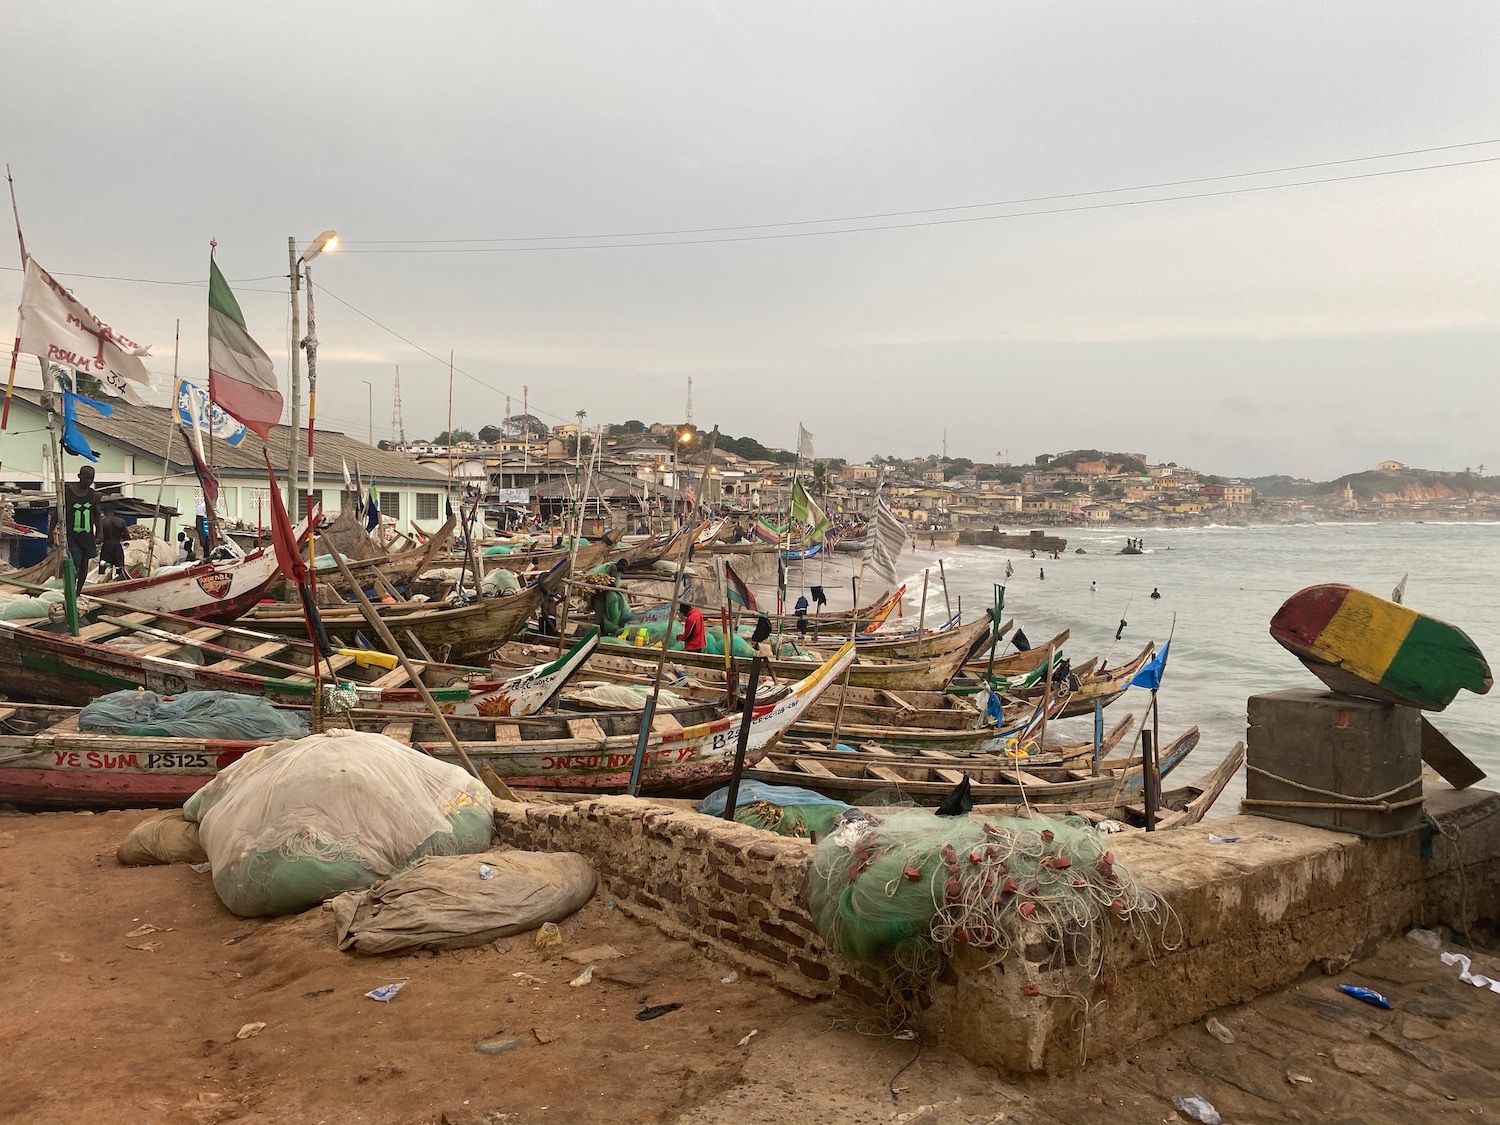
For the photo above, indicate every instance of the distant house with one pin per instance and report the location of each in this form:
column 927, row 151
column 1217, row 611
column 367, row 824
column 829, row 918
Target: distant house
column 1390, row 467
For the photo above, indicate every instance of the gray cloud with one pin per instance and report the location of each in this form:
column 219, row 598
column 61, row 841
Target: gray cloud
column 138, row 133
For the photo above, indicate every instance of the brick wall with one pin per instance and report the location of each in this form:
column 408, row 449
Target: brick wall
column 736, row 890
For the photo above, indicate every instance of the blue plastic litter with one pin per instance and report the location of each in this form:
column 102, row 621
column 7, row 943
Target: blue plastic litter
column 1368, row 995
column 386, row 991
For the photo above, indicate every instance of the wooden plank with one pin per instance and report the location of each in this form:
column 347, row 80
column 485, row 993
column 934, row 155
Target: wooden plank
column 1451, row 763
column 952, row 777
column 395, row 678
column 98, row 631
column 507, row 734
column 896, row 700
column 7, row 713
column 401, row 732
column 885, row 773
column 664, row 724
column 250, row 656
column 1012, row 774
column 585, row 728
column 813, row 766
column 879, row 751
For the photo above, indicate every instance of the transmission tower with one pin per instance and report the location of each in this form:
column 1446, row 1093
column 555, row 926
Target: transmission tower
column 398, row 424
column 688, row 413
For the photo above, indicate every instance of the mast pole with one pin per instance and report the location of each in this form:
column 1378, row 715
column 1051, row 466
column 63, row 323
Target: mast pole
column 15, row 350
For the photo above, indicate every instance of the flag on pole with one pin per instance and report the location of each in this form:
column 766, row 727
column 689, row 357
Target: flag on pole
column 805, row 509
column 359, row 490
column 1149, row 677
column 689, row 493
column 292, row 564
column 196, row 409
column 767, row 531
column 206, row 476
column 240, row 376
column 887, row 538
column 804, row 442
column 372, row 508
column 72, row 437
column 348, row 481
column 737, row 590
column 58, row 329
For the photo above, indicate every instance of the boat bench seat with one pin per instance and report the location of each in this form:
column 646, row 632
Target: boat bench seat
column 507, row 734
column 885, row 773
column 813, row 766
column 249, row 656
column 401, row 732
column 585, row 728
column 664, row 724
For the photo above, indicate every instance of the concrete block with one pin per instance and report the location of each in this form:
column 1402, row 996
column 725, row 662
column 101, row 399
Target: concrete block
column 1334, row 761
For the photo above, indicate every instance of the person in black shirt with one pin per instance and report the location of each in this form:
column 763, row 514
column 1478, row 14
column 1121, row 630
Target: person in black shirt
column 112, row 530
column 81, row 523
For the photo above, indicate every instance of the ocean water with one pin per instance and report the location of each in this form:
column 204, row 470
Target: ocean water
column 1222, row 585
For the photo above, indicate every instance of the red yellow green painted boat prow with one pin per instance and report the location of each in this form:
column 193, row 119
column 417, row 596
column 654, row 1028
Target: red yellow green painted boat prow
column 1364, row 645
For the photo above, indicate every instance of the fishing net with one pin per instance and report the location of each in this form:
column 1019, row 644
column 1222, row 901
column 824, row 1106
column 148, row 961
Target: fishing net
column 648, row 634
column 192, row 714
column 294, row 823
column 897, row 888
column 783, row 809
column 624, row 697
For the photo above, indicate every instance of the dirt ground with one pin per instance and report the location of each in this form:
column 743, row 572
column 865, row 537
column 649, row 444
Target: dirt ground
column 98, row 1025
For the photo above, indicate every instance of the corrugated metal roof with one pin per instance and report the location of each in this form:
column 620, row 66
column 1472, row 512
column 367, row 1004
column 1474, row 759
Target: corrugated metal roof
column 143, row 431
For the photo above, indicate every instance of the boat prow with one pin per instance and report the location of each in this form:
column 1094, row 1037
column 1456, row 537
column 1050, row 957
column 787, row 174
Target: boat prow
column 1365, row 645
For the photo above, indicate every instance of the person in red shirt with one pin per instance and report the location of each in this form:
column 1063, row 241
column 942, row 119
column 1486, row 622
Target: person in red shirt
column 693, row 637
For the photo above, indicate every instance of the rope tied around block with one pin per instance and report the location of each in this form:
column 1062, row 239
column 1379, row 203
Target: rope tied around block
column 1376, row 802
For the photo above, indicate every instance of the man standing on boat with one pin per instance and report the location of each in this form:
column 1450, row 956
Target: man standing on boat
column 693, row 636
column 112, row 531
column 81, row 516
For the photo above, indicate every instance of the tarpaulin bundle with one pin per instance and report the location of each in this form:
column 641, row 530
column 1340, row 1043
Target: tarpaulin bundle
column 786, row 810
column 192, row 714
column 897, row 887
column 294, row 823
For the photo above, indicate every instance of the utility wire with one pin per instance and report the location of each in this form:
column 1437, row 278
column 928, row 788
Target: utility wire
column 929, row 210
column 932, row 222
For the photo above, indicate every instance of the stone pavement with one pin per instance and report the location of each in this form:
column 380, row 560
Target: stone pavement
column 1308, row 1053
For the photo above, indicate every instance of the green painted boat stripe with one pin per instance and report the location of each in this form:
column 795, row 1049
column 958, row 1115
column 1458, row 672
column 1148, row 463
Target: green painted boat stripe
column 1433, row 662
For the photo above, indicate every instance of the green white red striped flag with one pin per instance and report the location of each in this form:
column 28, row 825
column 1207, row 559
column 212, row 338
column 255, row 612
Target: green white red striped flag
column 241, row 380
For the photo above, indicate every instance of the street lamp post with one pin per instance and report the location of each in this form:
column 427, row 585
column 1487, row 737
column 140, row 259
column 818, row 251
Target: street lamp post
column 325, row 241
column 684, row 438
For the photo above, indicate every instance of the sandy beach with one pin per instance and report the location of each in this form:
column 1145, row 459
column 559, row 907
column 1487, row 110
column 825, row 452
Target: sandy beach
column 109, row 1020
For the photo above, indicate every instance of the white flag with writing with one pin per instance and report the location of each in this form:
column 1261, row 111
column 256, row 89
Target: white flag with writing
column 58, row 329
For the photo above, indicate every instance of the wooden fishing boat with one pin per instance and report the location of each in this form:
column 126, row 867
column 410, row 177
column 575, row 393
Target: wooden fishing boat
column 1093, row 687
column 119, row 647
column 1365, row 645
column 869, row 618
column 53, row 763
column 462, row 634
column 216, row 590
column 1181, row 807
column 395, row 568
column 931, row 673
column 929, row 777
column 1017, row 665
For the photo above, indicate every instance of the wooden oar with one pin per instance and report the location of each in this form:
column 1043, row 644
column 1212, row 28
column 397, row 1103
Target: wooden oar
column 1451, row 763
column 490, row 778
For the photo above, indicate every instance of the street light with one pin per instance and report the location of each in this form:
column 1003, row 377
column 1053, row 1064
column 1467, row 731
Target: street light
column 299, row 265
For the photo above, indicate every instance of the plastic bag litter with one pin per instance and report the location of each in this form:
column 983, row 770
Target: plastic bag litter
column 291, row 824
column 499, row 582
column 193, row 714
column 446, row 902
column 167, row 837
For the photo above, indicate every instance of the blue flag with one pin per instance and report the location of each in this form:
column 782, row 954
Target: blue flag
column 372, row 509
column 1150, row 676
column 994, row 709
column 72, row 437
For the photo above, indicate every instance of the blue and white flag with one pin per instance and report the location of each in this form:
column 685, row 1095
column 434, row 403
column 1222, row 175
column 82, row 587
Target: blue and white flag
column 1149, row 677
column 73, row 440
column 219, row 424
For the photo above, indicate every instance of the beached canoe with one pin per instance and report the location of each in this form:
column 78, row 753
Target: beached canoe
column 929, row 777
column 45, row 760
column 1366, row 645
column 118, row 647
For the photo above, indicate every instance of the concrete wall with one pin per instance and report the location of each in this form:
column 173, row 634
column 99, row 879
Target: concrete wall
column 1249, row 917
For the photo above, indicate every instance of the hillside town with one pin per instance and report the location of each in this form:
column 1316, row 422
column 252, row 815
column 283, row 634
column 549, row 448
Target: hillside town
column 643, row 469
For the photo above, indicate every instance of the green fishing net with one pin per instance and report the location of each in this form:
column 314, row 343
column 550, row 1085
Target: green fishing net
column 897, row 887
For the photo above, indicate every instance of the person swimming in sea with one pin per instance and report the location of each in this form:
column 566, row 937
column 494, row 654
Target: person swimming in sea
column 1155, row 594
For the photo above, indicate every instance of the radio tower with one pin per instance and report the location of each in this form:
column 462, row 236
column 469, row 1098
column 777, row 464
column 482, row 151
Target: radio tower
column 688, row 413
column 398, row 424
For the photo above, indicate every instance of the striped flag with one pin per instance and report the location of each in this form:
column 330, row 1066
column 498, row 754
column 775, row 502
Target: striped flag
column 887, row 537
column 737, row 590
column 240, row 377
column 805, row 509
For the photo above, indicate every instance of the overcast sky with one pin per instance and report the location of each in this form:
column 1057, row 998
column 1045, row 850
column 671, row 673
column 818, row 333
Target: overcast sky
column 1311, row 330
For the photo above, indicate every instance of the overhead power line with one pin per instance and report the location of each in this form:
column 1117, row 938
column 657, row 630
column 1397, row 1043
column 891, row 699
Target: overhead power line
column 1109, row 205
column 955, row 207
